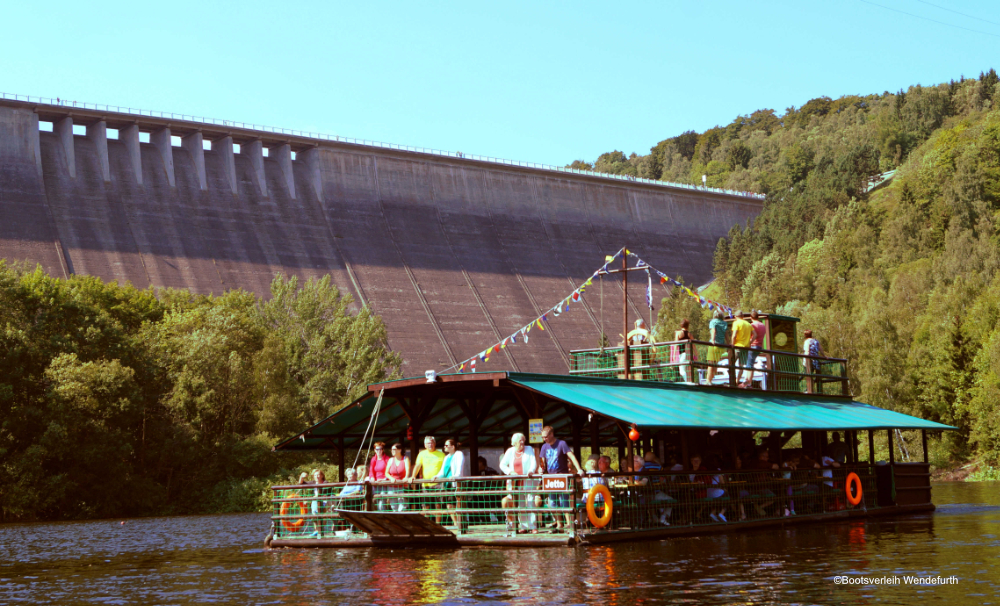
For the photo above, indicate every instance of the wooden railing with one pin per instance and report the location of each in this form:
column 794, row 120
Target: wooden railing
column 704, row 363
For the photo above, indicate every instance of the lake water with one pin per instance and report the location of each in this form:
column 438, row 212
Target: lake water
column 205, row 559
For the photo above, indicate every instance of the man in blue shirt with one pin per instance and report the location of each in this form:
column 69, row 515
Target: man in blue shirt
column 554, row 457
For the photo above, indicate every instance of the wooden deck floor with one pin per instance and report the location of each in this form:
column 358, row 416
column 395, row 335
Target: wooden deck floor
column 496, row 534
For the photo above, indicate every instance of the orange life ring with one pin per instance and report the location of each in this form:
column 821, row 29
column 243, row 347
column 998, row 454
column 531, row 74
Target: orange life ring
column 599, row 489
column 852, row 478
column 286, row 509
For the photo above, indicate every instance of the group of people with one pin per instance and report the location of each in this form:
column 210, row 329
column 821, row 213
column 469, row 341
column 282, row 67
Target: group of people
column 694, row 486
column 746, row 335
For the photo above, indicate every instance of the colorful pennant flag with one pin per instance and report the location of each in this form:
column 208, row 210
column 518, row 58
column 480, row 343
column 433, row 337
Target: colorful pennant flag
column 484, row 356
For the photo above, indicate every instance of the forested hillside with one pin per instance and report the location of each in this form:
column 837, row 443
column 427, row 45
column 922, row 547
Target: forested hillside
column 902, row 280
column 117, row 402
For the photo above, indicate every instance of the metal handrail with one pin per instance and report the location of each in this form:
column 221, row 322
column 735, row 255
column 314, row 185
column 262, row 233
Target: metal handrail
column 709, row 343
column 367, row 142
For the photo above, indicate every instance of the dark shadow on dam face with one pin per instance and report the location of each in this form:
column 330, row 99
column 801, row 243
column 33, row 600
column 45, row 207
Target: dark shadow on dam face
column 454, row 254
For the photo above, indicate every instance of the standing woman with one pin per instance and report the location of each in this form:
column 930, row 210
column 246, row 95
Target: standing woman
column 717, row 335
column 396, row 472
column 520, row 460
column 685, row 351
column 376, row 472
column 319, row 478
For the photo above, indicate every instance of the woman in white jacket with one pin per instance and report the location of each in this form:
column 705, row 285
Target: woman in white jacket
column 520, row 460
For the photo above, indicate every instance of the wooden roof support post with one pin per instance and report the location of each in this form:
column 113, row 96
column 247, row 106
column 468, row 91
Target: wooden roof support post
column 628, row 362
column 684, row 447
column 892, row 451
column 577, row 424
column 476, row 411
column 732, row 367
column 630, row 449
column 340, row 459
column 595, row 434
column 923, row 442
column 871, row 447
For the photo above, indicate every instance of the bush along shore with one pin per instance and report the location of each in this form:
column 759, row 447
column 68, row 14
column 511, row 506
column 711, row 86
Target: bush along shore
column 116, row 401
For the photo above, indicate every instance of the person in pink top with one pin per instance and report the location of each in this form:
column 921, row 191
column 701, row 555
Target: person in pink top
column 396, row 472
column 376, row 472
column 376, row 469
column 756, row 343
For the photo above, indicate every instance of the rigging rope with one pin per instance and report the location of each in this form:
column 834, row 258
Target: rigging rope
column 372, row 423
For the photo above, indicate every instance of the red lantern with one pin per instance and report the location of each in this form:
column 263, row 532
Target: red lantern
column 633, row 434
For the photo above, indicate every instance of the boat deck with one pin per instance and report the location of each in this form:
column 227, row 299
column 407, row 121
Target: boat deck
column 497, row 536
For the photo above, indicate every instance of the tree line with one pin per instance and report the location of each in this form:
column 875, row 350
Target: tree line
column 116, row 401
column 900, row 278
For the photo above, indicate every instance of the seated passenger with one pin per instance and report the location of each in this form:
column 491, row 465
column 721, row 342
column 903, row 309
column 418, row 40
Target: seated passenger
column 760, row 480
column 353, row 487
column 660, row 497
column 714, row 491
column 591, row 478
column 604, row 466
column 790, row 466
column 484, row 468
column 700, row 475
column 827, row 464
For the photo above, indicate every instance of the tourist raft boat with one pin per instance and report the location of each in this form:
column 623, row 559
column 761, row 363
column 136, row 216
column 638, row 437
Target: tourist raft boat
column 680, row 397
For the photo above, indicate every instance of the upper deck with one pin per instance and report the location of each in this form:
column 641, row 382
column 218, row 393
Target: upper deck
column 701, row 363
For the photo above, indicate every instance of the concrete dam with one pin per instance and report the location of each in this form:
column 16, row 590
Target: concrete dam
column 455, row 253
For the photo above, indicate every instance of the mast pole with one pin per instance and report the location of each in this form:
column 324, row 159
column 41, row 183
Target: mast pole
column 628, row 361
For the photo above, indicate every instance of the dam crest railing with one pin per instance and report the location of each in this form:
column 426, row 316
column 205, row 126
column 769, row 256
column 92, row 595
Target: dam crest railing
column 367, row 142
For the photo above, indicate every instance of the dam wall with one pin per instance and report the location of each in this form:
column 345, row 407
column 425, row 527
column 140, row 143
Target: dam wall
column 454, row 253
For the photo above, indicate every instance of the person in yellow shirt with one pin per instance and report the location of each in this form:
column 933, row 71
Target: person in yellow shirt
column 428, row 465
column 742, row 335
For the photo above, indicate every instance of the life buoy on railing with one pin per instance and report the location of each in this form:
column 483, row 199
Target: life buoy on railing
column 286, row 509
column 599, row 489
column 852, row 478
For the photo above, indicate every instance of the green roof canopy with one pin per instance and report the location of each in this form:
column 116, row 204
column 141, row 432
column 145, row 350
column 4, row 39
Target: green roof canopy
column 499, row 404
column 667, row 405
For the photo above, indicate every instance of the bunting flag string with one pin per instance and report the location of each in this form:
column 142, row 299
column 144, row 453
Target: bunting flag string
column 563, row 306
column 557, row 310
column 664, row 279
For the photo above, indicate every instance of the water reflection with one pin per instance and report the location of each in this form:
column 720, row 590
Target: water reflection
column 219, row 559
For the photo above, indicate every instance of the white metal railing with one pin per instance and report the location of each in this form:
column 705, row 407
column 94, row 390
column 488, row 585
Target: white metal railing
column 298, row 133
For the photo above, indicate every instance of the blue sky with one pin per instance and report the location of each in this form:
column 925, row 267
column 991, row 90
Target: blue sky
column 536, row 81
